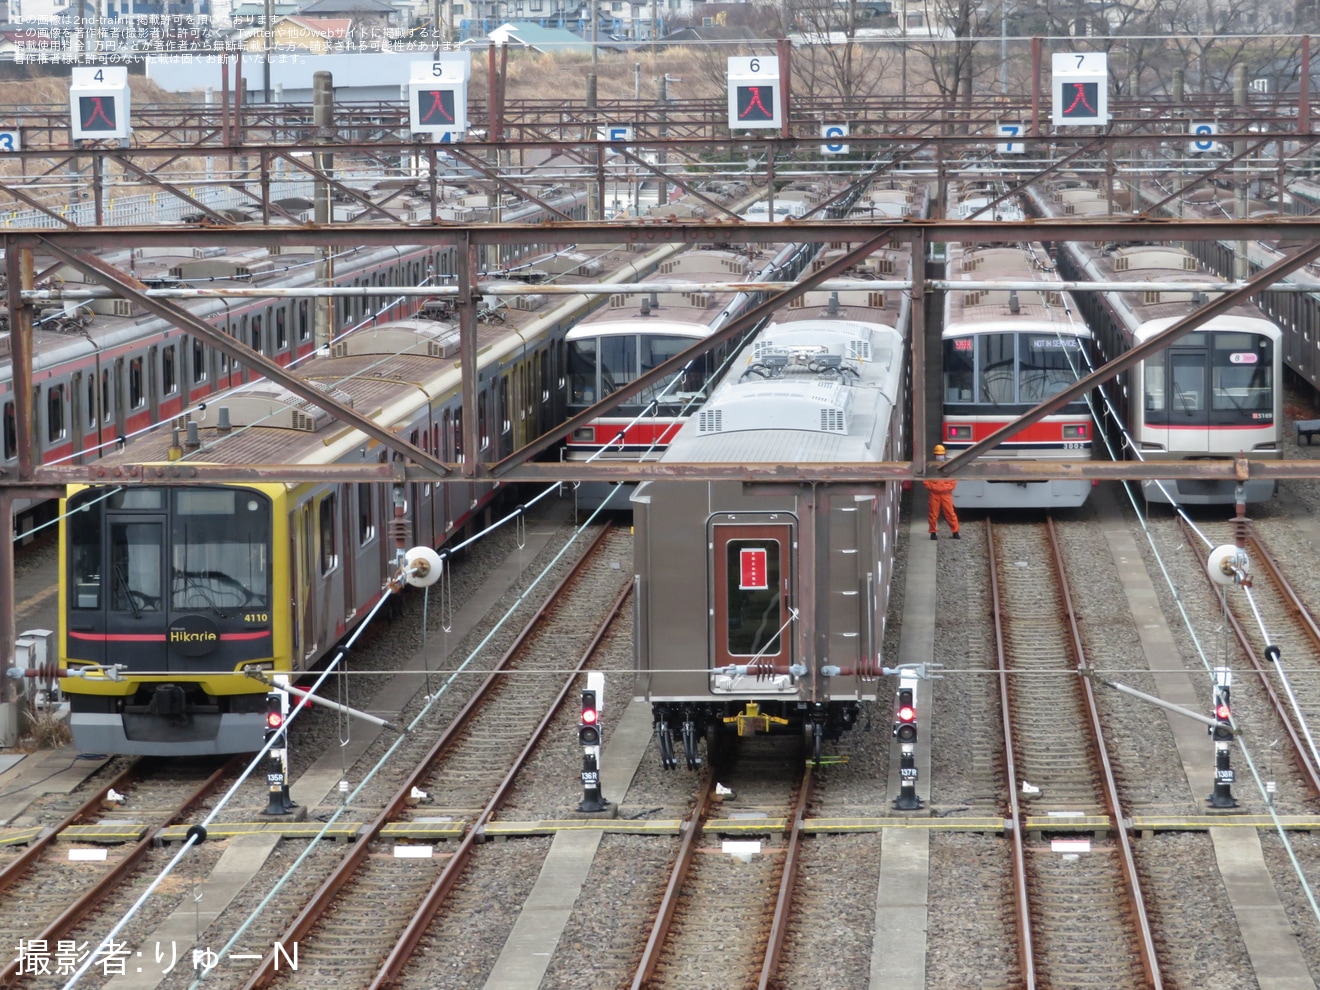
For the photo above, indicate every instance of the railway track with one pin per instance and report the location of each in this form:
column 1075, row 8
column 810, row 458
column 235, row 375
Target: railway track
column 40, row 884
column 1293, row 631
column 717, row 920
column 1071, row 911
column 377, row 907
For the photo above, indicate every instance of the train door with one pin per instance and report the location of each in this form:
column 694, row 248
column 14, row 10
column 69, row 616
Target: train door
column 304, row 608
column 1189, row 394
column 752, row 583
column 77, row 415
column 348, row 526
column 135, row 589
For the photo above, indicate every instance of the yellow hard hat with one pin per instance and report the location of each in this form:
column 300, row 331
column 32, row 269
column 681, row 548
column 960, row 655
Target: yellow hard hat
column 939, row 449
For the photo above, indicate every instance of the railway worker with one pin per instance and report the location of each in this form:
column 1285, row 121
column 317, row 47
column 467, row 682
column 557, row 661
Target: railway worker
column 941, row 499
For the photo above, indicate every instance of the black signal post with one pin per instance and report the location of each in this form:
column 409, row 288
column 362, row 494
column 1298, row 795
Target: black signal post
column 1222, row 734
column 905, row 731
column 589, row 738
column 277, row 777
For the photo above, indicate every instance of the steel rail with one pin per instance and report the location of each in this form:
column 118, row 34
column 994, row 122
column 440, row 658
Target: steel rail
column 415, row 930
column 15, row 870
column 321, row 901
column 63, row 925
column 1263, row 669
column 1150, row 964
column 687, row 850
column 1026, row 948
column 774, row 945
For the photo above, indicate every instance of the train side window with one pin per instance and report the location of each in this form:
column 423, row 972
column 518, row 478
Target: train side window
column 107, row 410
column 483, row 419
column 328, row 545
column 92, row 417
column 506, row 424
column 55, row 428
column 366, row 514
column 85, row 557
column 256, row 334
column 198, row 361
column 10, row 432
column 169, row 379
column 281, row 330
column 137, row 392
column 457, row 435
column 304, row 325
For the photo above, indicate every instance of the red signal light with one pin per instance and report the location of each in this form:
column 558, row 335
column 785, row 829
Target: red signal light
column 1222, row 712
column 274, row 720
column 907, row 714
column 589, row 716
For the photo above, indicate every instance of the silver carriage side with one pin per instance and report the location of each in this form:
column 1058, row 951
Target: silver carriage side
column 761, row 608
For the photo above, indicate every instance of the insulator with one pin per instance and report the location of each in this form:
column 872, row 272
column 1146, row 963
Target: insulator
column 399, row 530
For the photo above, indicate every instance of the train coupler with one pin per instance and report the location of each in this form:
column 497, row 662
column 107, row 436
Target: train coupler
column 752, row 720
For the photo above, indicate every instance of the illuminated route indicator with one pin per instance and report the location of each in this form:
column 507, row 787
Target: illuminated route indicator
column 1080, row 89
column 754, row 92
column 99, row 105
column 435, row 108
column 437, row 96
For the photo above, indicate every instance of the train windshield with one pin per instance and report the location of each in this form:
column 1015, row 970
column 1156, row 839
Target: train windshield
column 1218, row 378
column 1011, row 369
column 220, row 549
column 599, row 366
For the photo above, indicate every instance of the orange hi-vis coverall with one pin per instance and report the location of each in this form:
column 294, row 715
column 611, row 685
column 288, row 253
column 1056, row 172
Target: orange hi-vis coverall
column 941, row 500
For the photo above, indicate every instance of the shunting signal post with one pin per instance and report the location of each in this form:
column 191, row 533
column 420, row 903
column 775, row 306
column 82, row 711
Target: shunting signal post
column 277, row 777
column 1222, row 733
column 905, row 731
column 589, row 737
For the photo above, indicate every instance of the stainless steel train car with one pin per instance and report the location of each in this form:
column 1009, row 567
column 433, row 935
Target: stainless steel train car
column 1213, row 393
column 762, row 608
column 178, row 589
column 1004, row 352
column 106, row 370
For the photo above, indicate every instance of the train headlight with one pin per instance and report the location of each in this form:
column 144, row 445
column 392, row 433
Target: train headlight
column 959, row 433
column 1075, row 431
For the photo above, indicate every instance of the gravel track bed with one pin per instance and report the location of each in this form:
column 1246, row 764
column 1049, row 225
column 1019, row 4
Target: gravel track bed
column 274, row 918
column 1190, row 913
column 1051, row 742
column 51, row 809
column 1141, row 748
column 1306, row 847
column 1251, row 707
column 463, row 943
column 971, row 934
column 455, row 696
column 550, row 785
column 145, row 954
column 603, row 940
column 966, row 728
column 373, row 906
column 834, row 913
